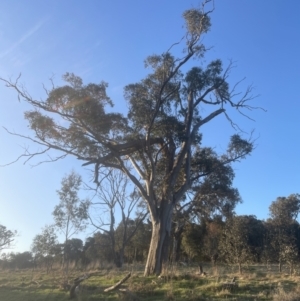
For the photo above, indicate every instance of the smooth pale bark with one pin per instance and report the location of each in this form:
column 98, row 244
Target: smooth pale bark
column 161, row 231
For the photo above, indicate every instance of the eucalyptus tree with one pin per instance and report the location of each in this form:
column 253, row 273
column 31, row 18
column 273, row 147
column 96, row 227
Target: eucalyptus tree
column 70, row 214
column 285, row 209
column 18, row 260
column 44, row 246
column 242, row 240
column 192, row 241
column 210, row 198
column 6, row 237
column 159, row 141
column 214, row 229
column 137, row 248
column 112, row 199
column 283, row 239
column 74, row 249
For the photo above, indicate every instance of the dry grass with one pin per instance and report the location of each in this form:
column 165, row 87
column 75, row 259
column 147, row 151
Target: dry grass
column 177, row 284
column 282, row 295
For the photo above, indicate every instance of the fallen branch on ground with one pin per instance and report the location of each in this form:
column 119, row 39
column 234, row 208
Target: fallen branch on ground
column 77, row 281
column 230, row 285
column 117, row 284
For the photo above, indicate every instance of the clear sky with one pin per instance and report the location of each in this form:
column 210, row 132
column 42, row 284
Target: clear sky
column 108, row 40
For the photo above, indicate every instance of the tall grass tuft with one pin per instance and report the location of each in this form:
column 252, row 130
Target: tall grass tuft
column 281, row 295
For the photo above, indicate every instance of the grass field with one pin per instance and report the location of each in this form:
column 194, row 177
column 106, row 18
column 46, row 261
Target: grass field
column 178, row 283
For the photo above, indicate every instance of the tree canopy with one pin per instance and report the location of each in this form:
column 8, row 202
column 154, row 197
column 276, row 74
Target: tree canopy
column 6, row 237
column 158, row 144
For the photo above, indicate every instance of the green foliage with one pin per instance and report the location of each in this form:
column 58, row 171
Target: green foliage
column 137, row 247
column 70, row 214
column 6, row 237
column 44, row 244
column 238, row 147
column 242, row 239
column 214, row 193
column 212, row 239
column 74, row 249
column 98, row 247
column 285, row 209
column 192, row 241
column 12, row 260
column 156, row 144
column 197, row 22
column 283, row 233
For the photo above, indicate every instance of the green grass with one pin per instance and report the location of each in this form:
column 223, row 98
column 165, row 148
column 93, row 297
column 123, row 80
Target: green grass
column 177, row 284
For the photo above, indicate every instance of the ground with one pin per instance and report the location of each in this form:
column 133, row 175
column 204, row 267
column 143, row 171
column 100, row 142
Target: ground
column 178, row 283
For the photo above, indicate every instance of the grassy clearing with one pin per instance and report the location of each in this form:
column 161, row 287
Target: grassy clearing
column 180, row 284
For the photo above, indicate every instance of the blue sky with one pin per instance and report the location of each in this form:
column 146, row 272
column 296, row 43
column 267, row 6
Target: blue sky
column 109, row 40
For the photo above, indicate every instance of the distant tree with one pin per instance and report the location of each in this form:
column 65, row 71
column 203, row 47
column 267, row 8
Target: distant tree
column 242, row 240
column 102, row 248
column 283, row 241
column 4, row 260
column 22, row 260
column 156, row 144
column 96, row 251
column 70, row 214
column 192, row 241
column 114, row 198
column 213, row 234
column 6, row 237
column 74, row 248
column 285, row 209
column 289, row 253
column 212, row 196
column 89, row 252
column 138, row 239
column 44, row 246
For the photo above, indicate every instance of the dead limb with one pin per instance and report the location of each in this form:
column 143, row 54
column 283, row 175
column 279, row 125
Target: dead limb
column 230, row 285
column 77, row 281
column 117, row 284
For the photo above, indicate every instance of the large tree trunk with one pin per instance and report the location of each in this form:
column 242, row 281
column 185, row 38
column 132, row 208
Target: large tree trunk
column 160, row 240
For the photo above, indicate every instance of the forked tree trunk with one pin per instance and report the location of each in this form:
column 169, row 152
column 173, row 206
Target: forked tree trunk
column 160, row 240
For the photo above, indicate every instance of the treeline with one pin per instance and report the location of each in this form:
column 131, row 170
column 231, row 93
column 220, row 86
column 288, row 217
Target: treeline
column 246, row 239
column 46, row 252
column 237, row 239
